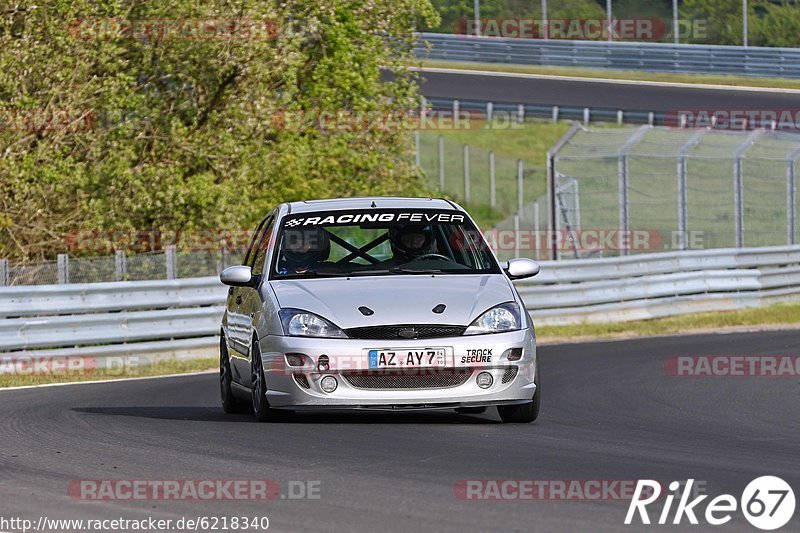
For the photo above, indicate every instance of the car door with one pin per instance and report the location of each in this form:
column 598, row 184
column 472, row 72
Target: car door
column 237, row 333
column 249, row 302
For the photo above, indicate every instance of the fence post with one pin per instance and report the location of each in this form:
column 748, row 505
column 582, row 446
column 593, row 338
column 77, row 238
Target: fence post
column 791, row 195
column 622, row 170
column 4, row 273
column 416, row 149
column 552, row 215
column 683, row 197
column 120, row 264
column 171, row 262
column 536, row 226
column 516, row 235
column 63, row 269
column 738, row 186
column 492, row 187
column 441, row 164
column 520, row 200
column 466, row 174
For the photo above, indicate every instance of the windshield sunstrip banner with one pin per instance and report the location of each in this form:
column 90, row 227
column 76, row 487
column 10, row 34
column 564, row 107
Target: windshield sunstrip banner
column 347, row 218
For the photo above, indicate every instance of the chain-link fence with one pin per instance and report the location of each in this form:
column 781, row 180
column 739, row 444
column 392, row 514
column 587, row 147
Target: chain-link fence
column 169, row 264
column 635, row 190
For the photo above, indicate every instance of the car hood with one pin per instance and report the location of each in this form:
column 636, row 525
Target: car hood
column 396, row 299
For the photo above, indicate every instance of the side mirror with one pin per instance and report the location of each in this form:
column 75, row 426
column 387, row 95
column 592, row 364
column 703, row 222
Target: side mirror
column 237, row 276
column 521, row 268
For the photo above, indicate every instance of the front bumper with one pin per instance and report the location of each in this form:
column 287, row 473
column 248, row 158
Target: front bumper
column 400, row 388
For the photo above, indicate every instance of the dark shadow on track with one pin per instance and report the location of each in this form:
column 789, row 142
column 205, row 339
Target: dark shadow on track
column 215, row 414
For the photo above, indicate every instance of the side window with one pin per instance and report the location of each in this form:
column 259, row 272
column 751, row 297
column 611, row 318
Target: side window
column 261, row 251
column 254, row 239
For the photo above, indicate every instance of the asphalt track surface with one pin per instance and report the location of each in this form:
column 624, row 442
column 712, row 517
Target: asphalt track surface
column 580, row 93
column 610, row 412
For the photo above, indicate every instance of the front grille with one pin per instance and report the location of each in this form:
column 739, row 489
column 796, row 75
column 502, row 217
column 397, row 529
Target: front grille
column 301, row 380
column 510, row 374
column 418, row 379
column 405, row 332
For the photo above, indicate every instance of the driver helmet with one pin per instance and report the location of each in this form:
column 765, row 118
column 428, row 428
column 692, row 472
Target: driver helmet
column 306, row 246
column 409, row 241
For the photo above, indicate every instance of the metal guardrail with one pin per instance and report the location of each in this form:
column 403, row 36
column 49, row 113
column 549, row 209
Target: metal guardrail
column 182, row 316
column 652, row 57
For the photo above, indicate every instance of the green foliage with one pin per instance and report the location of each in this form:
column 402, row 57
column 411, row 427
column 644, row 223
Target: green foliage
column 181, row 133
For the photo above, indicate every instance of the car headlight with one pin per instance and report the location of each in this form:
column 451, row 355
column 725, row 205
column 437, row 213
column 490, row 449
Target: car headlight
column 504, row 317
column 299, row 323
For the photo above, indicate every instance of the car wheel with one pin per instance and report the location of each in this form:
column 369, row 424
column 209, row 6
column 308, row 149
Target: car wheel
column 261, row 408
column 526, row 412
column 230, row 403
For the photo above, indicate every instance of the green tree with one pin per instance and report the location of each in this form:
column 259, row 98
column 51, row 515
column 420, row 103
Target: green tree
column 181, row 132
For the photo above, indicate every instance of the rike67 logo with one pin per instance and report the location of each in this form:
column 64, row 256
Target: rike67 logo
column 767, row 503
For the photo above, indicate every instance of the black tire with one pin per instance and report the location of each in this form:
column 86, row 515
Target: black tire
column 526, row 412
column 230, row 403
column 261, row 408
column 470, row 410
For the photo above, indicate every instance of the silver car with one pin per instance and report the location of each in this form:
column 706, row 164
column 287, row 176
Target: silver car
column 376, row 303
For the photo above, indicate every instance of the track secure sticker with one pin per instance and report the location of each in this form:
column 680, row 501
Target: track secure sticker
column 477, row 355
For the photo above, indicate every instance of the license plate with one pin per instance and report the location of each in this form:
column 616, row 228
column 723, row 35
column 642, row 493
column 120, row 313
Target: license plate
column 404, row 358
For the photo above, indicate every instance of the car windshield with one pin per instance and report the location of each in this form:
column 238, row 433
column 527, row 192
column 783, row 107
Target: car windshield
column 380, row 242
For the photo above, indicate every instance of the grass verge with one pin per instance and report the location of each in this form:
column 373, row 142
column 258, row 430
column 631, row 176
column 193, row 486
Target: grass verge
column 766, row 317
column 709, row 79
column 27, row 374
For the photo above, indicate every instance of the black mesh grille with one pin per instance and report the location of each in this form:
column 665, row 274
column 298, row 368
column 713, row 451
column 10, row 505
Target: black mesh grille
column 419, row 379
column 510, row 374
column 401, row 332
column 302, row 380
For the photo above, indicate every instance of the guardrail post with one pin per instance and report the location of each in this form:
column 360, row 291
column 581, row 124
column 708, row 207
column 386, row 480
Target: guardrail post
column 489, row 111
column 456, row 106
column 555, row 113
column 441, row 164
column 171, row 261
column 492, row 187
column 520, row 113
column 520, row 201
column 120, row 264
column 619, row 117
column 586, row 116
column 466, row 174
column 416, row 149
column 63, row 269
column 4, row 273
column 650, row 118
